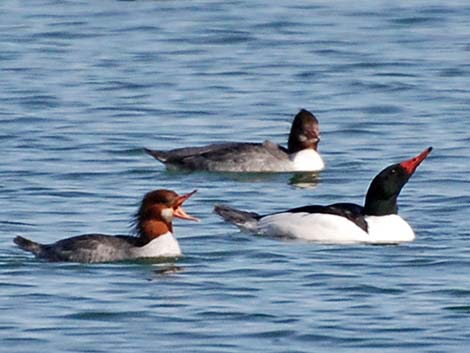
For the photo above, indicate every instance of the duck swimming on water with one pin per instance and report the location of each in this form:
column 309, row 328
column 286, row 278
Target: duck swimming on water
column 301, row 154
column 153, row 225
column 377, row 222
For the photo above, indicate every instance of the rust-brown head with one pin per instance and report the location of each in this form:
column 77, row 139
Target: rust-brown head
column 156, row 213
column 304, row 133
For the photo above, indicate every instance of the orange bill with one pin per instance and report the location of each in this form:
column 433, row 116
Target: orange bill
column 179, row 212
column 413, row 163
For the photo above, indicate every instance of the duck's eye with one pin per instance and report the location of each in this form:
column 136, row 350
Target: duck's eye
column 394, row 171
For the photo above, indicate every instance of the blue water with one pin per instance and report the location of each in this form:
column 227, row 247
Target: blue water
column 86, row 84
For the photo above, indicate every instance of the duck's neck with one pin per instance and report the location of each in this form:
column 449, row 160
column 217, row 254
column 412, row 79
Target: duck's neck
column 294, row 146
column 151, row 229
column 379, row 207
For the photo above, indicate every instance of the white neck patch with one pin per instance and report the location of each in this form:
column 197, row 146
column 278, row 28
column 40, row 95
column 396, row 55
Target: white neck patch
column 167, row 214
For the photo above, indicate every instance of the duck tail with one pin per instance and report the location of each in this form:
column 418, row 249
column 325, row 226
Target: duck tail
column 246, row 221
column 28, row 245
column 159, row 155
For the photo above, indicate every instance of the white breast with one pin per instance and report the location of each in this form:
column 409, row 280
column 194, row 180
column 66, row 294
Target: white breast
column 327, row 228
column 307, row 160
column 389, row 229
column 165, row 245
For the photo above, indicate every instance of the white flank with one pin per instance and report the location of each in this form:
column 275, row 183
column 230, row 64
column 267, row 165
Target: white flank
column 327, row 228
column 307, row 160
column 165, row 245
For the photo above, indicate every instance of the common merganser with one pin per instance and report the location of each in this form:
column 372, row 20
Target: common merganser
column 153, row 225
column 301, row 153
column 340, row 223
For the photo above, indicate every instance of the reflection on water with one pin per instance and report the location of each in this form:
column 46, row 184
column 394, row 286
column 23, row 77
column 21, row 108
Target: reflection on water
column 250, row 177
column 168, row 270
column 305, row 180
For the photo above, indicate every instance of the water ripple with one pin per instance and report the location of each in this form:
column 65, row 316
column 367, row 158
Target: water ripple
column 87, row 86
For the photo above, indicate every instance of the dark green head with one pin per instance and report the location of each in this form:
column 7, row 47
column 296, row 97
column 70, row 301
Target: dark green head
column 381, row 198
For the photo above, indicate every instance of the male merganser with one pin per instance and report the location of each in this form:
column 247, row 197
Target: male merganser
column 153, row 224
column 340, row 223
column 300, row 155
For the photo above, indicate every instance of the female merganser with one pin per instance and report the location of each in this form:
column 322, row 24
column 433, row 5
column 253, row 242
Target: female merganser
column 153, row 224
column 341, row 223
column 300, row 155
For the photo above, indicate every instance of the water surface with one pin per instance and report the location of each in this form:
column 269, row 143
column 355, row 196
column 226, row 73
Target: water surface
column 86, row 85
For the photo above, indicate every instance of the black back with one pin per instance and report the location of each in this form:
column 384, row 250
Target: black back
column 350, row 211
